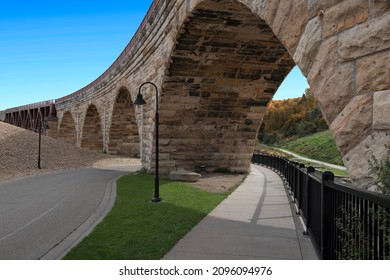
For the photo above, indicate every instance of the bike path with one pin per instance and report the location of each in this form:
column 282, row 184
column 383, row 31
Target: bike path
column 257, row 221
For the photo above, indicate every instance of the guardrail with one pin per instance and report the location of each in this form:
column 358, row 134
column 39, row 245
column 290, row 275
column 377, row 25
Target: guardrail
column 344, row 222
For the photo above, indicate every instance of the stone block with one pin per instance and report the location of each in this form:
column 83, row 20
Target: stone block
column 379, row 7
column 333, row 84
column 324, row 62
column 354, row 123
column 257, row 6
column 374, row 72
column 269, row 10
column 381, row 119
column 357, row 159
column 363, row 39
column 184, row 176
column 289, row 23
column 308, row 45
column 315, row 7
column 344, row 15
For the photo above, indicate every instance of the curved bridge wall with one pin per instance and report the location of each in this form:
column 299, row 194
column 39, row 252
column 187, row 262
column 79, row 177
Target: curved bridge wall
column 217, row 64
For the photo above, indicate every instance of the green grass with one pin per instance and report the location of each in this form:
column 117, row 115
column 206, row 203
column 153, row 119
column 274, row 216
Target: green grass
column 139, row 229
column 274, row 152
column 322, row 168
column 320, row 146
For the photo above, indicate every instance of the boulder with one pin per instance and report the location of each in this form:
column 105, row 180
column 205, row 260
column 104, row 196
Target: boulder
column 184, row 175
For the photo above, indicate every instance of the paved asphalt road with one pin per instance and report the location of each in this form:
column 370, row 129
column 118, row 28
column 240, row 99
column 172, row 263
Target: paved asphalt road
column 38, row 213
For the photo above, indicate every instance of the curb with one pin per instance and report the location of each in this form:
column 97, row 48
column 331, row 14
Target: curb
column 75, row 237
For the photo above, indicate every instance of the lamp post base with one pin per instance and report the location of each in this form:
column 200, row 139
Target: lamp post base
column 156, row 199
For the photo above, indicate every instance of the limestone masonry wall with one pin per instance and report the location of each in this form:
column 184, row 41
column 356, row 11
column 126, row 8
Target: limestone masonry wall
column 217, row 64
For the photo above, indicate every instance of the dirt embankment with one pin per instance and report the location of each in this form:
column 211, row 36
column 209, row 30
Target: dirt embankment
column 19, row 157
column 19, row 154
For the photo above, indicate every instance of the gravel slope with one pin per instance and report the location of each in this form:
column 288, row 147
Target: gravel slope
column 19, row 154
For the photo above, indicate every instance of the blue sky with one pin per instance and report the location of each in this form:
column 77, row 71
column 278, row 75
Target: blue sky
column 50, row 49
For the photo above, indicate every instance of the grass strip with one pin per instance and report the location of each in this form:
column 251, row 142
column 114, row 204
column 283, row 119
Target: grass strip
column 137, row 229
column 319, row 146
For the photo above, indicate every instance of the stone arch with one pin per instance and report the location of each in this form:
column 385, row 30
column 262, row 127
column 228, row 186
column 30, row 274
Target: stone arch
column 225, row 68
column 123, row 137
column 67, row 130
column 335, row 45
column 92, row 136
column 235, row 53
column 212, row 98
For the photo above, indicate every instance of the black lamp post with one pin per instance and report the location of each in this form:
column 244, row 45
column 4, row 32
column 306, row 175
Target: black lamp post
column 140, row 101
column 40, row 128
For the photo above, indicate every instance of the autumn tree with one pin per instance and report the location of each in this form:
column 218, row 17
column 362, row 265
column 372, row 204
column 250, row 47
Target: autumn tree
column 291, row 118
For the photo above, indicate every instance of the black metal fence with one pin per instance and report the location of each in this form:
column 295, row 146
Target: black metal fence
column 343, row 221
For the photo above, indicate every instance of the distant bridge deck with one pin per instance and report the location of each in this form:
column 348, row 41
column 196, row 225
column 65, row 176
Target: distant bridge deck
column 30, row 116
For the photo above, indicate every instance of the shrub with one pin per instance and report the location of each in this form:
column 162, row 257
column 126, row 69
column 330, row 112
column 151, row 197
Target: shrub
column 381, row 170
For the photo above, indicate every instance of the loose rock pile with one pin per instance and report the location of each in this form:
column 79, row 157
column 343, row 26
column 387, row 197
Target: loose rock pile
column 19, row 154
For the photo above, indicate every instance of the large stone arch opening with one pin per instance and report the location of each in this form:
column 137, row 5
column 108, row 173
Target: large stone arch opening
column 225, row 68
column 67, row 130
column 123, row 138
column 92, row 136
column 229, row 57
column 217, row 63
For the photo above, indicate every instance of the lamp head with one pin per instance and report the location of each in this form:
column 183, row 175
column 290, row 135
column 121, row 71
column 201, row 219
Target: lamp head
column 139, row 100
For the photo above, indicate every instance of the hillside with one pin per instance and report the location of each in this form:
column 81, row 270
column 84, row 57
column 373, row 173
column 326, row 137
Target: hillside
column 297, row 125
column 19, row 154
column 320, row 146
column 291, row 118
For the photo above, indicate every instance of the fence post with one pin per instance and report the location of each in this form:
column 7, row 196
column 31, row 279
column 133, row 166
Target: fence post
column 325, row 215
column 310, row 169
column 286, row 170
column 299, row 188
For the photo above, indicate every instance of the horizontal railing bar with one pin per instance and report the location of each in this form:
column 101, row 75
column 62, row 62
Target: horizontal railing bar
column 378, row 198
column 350, row 189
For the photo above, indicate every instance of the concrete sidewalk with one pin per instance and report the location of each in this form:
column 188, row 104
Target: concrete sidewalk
column 257, row 221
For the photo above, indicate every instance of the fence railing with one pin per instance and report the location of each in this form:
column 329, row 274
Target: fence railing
column 344, row 222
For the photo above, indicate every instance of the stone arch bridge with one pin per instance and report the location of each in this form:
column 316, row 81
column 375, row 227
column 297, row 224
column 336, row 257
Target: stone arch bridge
column 218, row 63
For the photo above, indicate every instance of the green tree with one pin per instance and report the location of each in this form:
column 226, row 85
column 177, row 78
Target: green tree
column 381, row 170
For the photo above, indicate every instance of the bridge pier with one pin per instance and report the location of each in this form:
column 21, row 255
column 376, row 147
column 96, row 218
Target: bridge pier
column 52, row 130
